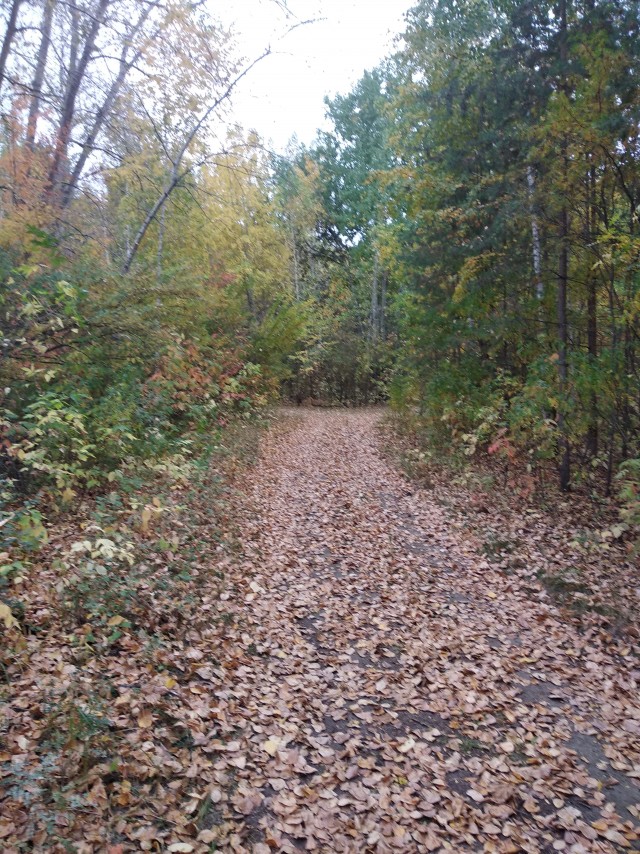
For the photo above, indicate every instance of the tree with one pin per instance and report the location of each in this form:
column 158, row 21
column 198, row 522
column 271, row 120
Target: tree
column 299, row 206
column 9, row 35
column 512, row 141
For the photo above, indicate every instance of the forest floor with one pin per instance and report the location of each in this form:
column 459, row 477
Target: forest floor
column 375, row 685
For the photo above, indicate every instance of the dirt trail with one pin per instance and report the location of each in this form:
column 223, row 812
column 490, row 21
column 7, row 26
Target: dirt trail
column 385, row 689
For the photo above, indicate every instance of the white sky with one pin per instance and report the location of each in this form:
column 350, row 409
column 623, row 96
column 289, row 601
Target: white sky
column 284, row 94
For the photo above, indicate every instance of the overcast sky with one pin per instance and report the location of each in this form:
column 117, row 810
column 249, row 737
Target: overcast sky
column 284, row 94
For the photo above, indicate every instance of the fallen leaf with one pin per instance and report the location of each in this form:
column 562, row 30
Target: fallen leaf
column 145, row 720
column 271, row 746
column 7, row 617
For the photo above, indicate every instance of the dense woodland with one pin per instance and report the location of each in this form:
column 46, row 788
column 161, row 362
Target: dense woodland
column 218, row 637
column 463, row 241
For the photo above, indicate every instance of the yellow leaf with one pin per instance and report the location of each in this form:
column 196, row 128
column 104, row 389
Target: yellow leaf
column 146, row 518
column 170, row 683
column 492, row 595
column 272, row 745
column 145, row 720
column 116, row 621
column 7, row 617
column 68, row 495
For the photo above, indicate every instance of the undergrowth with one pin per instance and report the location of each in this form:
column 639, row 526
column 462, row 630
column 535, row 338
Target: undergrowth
column 118, row 602
column 575, row 548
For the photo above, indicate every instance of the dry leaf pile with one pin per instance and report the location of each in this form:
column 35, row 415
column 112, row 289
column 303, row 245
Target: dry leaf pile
column 362, row 681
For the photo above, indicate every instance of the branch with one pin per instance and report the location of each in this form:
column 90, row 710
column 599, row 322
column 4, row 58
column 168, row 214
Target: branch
column 178, row 175
column 107, row 105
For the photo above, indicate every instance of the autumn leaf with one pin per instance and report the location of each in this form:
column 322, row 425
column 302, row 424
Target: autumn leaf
column 7, row 617
column 145, row 518
column 407, row 745
column 145, row 720
column 271, row 746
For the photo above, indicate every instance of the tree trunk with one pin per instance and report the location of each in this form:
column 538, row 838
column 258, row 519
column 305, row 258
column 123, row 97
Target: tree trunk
column 12, row 28
column 535, row 236
column 563, row 336
column 592, row 317
column 125, row 65
column 76, row 76
column 161, row 230
column 374, row 298
column 563, row 277
column 592, row 347
column 149, row 218
column 38, row 76
column 296, row 266
column 383, row 306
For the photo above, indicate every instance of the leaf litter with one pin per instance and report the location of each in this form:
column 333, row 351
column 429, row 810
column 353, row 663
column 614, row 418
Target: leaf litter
column 361, row 681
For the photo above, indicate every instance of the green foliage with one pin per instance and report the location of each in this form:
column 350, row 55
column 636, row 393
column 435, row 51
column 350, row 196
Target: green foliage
column 485, row 100
column 106, row 377
column 98, row 581
column 22, row 532
column 284, row 331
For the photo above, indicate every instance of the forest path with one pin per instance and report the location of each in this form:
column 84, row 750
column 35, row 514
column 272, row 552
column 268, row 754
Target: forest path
column 394, row 692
